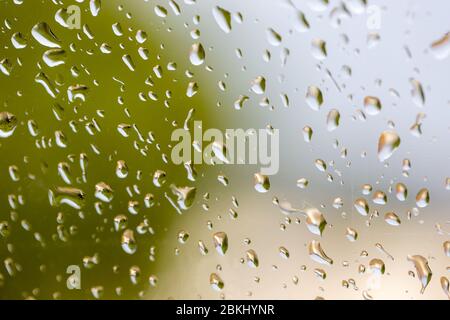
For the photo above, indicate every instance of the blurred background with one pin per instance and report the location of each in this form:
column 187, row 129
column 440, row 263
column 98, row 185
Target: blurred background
column 91, row 92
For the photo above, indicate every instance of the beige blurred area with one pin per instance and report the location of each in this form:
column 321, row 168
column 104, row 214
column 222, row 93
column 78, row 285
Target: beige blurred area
column 382, row 61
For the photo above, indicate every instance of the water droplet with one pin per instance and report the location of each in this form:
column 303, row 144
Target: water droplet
column 223, row 19
column 252, row 258
column 95, row 6
column 318, row 5
column 273, row 37
column 388, row 143
column 262, row 182
column 379, row 197
column 284, row 253
column 417, row 93
column 423, row 198
column 73, row 197
column 302, row 183
column 44, row 35
column 317, row 254
column 160, row 11
column 62, row 17
column 175, row 7
column 192, row 89
column 333, row 119
column 64, row 172
column 362, row 206
column 153, row 280
column 307, row 133
column 18, row 41
column 60, row 139
column 141, row 36
column 366, row 189
column 191, row 173
column 128, row 242
column 54, row 57
column 314, row 97
column 319, row 49
column 183, row 237
column 239, row 103
column 121, row 169
column 366, row 295
column 117, row 29
column 120, row 222
column 5, row 229
column 14, row 173
column 97, row 292
column 133, row 207
column 197, row 54
column 445, row 285
column 401, row 191
column 104, row 192
column 220, row 151
column 149, row 200
column 159, row 178
column 202, row 248
column 338, row 203
column 392, row 219
column 372, row 105
column 351, row 234
column 373, row 39
column 221, row 242
column 423, row 270
column 126, row 58
column 259, row 85
column 320, row 165
column 301, row 23
column 446, row 246
column 441, row 47
column 377, row 266
column 6, row 67
column 447, row 183
column 315, row 221
column 8, row 123
column 216, row 282
column 406, row 165
column 185, row 196
column 77, row 92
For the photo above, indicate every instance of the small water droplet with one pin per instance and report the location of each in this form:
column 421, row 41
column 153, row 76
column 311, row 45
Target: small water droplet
column 315, row 221
column 372, row 105
column 388, row 143
column 128, row 242
column 273, row 37
column 441, row 47
column 8, row 123
column 392, row 219
column 317, row 254
column 262, row 182
column 351, row 234
column 197, row 54
column 216, row 282
column 314, row 97
column 104, row 192
column 362, row 206
column 319, row 49
column 223, row 19
column 423, row 198
column 221, row 242
column 252, row 258
column 377, row 266
column 44, row 35
column 423, row 270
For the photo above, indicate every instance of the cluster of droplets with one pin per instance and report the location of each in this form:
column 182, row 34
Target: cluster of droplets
column 146, row 190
